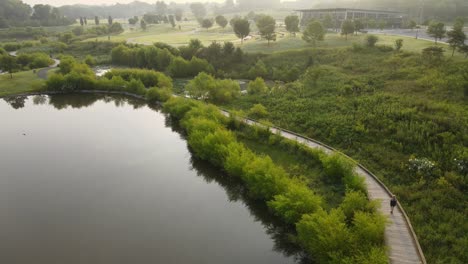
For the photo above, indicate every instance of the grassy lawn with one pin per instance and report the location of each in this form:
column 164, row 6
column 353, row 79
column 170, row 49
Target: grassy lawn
column 334, row 40
column 22, row 82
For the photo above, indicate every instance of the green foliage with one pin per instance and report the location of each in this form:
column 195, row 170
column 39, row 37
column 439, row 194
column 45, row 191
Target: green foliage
column 206, row 87
column 221, row 21
column 241, row 28
column 258, row 70
column 314, row 32
column 206, row 23
column 156, row 94
column 398, row 44
column 355, row 201
column 116, row 28
column 148, row 77
column 295, row 202
column 90, row 60
column 180, row 68
column 257, row 86
column 371, row 40
column 266, row 25
column 292, row 24
column 258, row 111
column 34, row 60
column 347, row 28
column 436, row 30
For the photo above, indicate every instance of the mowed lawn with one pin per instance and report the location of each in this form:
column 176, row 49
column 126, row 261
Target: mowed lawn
column 22, row 82
column 334, row 40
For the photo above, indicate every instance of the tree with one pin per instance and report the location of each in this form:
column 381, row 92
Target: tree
column 116, row 28
column 172, row 21
column 412, row 24
column 241, row 28
column 132, row 21
column 398, row 44
column 382, row 24
column 327, row 22
column 161, row 8
column 266, row 25
column 110, row 20
column 371, row 40
column 292, row 24
column 198, row 10
column 436, row 30
column 143, row 24
column 433, row 55
column 257, row 86
column 81, row 21
column 258, row 111
column 178, row 14
column 206, row 23
column 347, row 28
column 85, row 21
column 221, row 21
column 9, row 64
column 464, row 49
column 358, row 25
column 456, row 36
column 96, row 20
column 314, row 32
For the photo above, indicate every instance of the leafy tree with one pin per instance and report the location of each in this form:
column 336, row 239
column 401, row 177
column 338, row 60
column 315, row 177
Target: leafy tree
column 96, row 20
column 258, row 70
column 85, row 21
column 257, row 86
column 371, row 40
column 314, row 32
column 436, row 30
column 206, row 23
column 327, row 22
column 8, row 64
column 110, row 20
column 292, row 24
column 398, row 44
column 90, row 60
column 161, row 8
column 178, row 14
column 433, row 55
column 132, row 21
column 200, row 86
column 116, row 28
column 456, row 36
column 198, row 10
column 266, row 25
column 172, row 21
column 358, row 25
column 258, row 111
column 81, row 21
column 382, row 24
column 221, row 21
column 464, row 49
column 143, row 24
column 241, row 28
column 347, row 28
column 412, row 24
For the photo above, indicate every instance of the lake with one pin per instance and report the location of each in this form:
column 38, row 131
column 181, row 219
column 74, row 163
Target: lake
column 98, row 179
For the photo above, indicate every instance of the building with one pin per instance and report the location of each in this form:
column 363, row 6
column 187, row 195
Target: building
column 338, row 15
column 257, row 4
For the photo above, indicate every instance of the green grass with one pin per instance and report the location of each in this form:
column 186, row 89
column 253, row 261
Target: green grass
column 295, row 166
column 22, row 82
column 334, row 40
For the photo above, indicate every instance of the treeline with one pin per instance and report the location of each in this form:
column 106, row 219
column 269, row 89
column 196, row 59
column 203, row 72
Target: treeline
column 16, row 13
column 342, row 235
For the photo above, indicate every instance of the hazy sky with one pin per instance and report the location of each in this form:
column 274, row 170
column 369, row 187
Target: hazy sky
column 105, row 2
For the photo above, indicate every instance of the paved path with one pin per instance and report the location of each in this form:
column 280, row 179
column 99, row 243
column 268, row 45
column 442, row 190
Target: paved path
column 42, row 73
column 403, row 247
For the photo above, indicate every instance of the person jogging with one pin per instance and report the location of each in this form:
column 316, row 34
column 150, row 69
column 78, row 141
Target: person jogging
column 393, row 203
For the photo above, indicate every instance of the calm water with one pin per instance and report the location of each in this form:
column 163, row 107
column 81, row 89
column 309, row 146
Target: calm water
column 97, row 179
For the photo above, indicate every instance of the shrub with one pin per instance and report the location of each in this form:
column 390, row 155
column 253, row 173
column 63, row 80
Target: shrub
column 156, row 94
column 258, row 111
column 371, row 40
column 178, row 107
column 148, row 77
column 295, row 202
column 257, row 86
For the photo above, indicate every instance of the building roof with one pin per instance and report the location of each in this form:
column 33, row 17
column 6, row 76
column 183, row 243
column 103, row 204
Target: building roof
column 347, row 9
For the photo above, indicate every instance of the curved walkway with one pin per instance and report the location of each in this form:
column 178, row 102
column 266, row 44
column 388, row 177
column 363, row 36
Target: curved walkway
column 402, row 243
column 42, row 73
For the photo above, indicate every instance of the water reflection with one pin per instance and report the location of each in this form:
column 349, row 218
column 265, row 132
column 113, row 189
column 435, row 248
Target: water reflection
column 281, row 235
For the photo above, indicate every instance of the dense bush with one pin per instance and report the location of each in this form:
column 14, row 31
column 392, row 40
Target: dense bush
column 34, row 60
column 206, row 87
column 180, row 68
column 148, row 77
column 334, row 237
